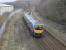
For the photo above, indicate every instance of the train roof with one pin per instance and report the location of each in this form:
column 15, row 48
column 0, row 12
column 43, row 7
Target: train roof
column 31, row 19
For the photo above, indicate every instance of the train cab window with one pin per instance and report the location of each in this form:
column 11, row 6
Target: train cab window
column 38, row 27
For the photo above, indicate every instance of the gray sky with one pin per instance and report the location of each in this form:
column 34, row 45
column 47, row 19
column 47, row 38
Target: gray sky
column 6, row 1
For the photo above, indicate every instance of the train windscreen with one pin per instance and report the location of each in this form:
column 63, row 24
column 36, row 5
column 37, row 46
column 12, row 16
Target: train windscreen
column 40, row 27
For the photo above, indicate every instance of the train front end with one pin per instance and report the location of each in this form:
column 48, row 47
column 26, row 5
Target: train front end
column 39, row 30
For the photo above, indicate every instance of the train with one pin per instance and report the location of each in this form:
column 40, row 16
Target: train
column 36, row 27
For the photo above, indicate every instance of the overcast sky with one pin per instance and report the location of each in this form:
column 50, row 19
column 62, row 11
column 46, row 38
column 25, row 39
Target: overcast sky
column 6, row 1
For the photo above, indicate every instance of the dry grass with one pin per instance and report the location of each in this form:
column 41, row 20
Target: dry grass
column 2, row 18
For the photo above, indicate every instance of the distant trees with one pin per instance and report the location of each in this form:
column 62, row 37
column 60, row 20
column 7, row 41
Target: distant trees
column 61, row 9
column 54, row 10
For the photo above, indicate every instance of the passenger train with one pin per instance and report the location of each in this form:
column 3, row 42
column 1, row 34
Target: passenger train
column 35, row 26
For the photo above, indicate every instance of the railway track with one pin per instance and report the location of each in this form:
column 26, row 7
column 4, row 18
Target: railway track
column 22, row 39
column 26, row 41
